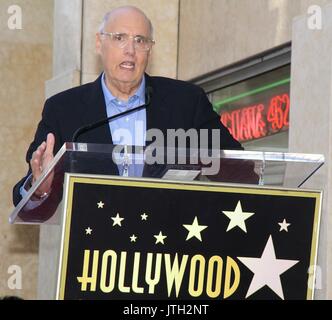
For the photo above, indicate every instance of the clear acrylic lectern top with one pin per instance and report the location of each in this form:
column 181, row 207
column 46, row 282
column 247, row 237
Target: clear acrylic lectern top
column 287, row 170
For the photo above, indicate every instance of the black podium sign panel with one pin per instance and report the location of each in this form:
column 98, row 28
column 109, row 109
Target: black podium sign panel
column 146, row 239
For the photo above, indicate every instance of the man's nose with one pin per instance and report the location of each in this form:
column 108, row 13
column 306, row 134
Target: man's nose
column 130, row 47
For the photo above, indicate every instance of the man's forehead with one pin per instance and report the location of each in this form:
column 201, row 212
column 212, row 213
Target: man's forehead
column 127, row 19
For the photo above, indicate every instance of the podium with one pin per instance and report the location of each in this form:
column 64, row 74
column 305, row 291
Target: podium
column 136, row 223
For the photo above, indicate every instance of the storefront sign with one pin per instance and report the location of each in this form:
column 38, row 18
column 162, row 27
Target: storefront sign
column 259, row 120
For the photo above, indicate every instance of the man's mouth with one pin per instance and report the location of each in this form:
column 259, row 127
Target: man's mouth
column 128, row 65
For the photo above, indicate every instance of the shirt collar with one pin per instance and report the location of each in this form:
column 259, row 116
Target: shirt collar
column 109, row 98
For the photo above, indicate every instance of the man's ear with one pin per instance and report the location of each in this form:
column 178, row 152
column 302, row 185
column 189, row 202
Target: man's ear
column 98, row 43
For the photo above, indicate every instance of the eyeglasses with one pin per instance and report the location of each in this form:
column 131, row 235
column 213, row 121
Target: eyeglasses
column 120, row 40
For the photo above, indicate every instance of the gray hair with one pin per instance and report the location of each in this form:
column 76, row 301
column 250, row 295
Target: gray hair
column 110, row 13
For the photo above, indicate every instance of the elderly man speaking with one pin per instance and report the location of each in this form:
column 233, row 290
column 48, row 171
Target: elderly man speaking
column 124, row 43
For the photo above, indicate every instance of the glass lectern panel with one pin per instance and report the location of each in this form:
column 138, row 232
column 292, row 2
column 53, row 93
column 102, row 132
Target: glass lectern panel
column 215, row 166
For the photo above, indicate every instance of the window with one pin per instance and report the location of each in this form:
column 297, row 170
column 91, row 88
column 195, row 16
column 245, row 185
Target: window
column 253, row 100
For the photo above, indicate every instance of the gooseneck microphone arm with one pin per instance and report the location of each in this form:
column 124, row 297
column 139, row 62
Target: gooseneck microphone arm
column 91, row 126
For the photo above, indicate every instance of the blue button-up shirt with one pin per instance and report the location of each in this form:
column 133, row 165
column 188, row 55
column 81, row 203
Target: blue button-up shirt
column 129, row 129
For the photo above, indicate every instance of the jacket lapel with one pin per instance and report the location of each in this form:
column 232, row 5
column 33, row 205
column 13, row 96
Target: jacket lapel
column 157, row 113
column 95, row 110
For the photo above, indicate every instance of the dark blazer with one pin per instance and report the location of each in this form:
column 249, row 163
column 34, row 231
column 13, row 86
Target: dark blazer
column 174, row 105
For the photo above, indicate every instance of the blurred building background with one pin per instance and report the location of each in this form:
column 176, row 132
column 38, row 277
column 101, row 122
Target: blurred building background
column 265, row 65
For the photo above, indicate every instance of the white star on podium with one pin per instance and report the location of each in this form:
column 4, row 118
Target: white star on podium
column 100, row 205
column 284, row 225
column 194, row 230
column 160, row 238
column 88, row 230
column 237, row 217
column 133, row 238
column 267, row 270
column 144, row 216
column 117, row 220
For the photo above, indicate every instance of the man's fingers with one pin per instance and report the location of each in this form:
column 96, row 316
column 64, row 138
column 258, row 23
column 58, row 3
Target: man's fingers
column 40, row 150
column 36, row 160
column 50, row 144
column 37, row 155
column 42, row 156
column 35, row 168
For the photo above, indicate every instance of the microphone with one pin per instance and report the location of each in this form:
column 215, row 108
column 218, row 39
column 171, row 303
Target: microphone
column 81, row 130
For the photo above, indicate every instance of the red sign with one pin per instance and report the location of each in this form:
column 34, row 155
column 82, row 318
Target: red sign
column 258, row 121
